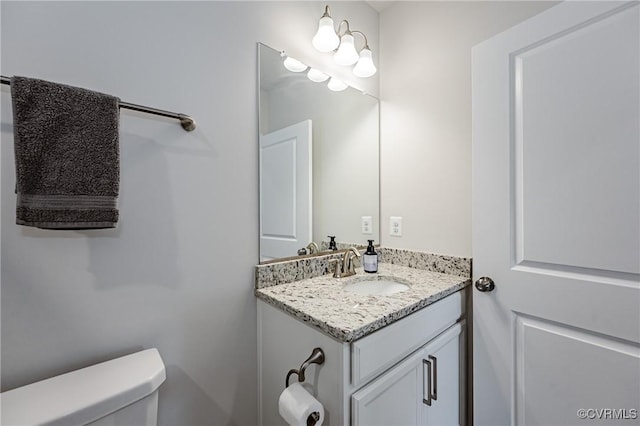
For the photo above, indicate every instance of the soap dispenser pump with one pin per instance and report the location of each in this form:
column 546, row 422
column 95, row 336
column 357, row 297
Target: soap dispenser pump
column 370, row 259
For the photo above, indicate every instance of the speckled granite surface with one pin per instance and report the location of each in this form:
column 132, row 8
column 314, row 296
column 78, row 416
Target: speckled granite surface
column 296, row 269
column 451, row 265
column 322, row 303
column 293, row 270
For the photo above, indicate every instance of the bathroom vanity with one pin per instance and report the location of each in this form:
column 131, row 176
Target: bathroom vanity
column 389, row 359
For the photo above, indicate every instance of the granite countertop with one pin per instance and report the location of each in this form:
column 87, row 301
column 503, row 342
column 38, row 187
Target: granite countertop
column 322, row 303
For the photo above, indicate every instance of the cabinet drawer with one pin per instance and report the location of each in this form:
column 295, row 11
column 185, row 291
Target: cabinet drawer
column 378, row 351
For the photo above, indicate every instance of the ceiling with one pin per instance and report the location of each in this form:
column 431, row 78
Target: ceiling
column 380, row 5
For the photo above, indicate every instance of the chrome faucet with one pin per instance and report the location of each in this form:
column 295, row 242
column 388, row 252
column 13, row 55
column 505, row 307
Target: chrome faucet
column 313, row 248
column 348, row 265
column 345, row 267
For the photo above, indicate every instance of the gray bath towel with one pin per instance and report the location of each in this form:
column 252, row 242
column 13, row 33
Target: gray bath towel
column 67, row 155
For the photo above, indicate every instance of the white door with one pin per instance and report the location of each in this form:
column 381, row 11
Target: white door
column 285, row 191
column 556, row 219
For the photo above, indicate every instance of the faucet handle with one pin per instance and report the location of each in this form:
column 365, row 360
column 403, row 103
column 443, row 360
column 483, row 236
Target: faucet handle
column 337, row 269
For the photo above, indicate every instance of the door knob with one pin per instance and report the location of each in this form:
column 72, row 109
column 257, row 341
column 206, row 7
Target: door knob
column 485, row 284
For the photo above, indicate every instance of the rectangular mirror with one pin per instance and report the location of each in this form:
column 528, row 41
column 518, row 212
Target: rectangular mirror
column 319, row 162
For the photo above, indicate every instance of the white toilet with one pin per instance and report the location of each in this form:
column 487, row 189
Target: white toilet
column 120, row 392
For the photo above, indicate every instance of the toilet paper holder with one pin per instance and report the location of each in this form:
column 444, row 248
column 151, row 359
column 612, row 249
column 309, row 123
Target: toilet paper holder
column 316, row 357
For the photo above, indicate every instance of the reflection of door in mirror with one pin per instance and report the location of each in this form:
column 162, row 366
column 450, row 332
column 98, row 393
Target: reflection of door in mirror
column 285, row 190
column 345, row 157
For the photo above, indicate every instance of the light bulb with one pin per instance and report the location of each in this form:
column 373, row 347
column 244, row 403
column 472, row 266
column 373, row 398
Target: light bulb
column 365, row 68
column 346, row 54
column 317, row 76
column 326, row 38
column 337, row 85
column 294, row 65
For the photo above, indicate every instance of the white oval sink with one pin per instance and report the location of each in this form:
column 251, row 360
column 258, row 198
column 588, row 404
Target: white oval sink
column 380, row 286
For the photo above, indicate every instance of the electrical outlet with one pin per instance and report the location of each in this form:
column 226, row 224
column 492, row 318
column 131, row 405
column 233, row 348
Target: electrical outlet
column 367, row 225
column 395, row 226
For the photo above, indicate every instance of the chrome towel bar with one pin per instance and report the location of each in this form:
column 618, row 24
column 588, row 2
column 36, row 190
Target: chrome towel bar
column 186, row 121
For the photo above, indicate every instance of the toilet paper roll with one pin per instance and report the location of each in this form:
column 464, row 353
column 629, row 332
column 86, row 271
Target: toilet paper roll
column 296, row 405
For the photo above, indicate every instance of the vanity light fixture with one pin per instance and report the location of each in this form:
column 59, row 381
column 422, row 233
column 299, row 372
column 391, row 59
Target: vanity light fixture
column 317, row 76
column 293, row 64
column 337, row 85
column 327, row 39
column 365, row 67
column 346, row 54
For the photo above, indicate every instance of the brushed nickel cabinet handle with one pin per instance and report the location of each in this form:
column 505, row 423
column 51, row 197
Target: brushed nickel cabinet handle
column 426, row 401
column 434, row 360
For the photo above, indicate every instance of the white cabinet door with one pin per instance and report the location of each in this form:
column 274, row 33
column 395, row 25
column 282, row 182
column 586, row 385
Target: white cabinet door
column 556, row 218
column 424, row 389
column 441, row 358
column 395, row 398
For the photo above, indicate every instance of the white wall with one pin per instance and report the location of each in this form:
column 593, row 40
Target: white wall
column 425, row 87
column 177, row 273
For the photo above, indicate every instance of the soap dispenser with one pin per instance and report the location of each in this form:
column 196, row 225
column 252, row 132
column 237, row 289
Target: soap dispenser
column 370, row 259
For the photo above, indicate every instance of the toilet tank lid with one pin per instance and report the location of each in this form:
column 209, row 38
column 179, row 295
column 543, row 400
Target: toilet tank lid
column 82, row 396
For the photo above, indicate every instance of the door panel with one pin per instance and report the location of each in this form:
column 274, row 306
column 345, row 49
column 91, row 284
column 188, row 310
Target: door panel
column 576, row 147
column 393, row 399
column 551, row 360
column 556, row 216
column 285, row 191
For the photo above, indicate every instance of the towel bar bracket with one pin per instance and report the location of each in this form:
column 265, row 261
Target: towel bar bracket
column 187, row 123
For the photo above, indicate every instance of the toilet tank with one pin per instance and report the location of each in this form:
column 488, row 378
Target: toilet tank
column 120, row 392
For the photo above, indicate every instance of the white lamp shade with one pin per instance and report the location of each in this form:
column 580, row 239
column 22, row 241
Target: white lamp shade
column 294, row 65
column 326, row 38
column 346, row 54
column 365, row 68
column 337, row 85
column 317, row 76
